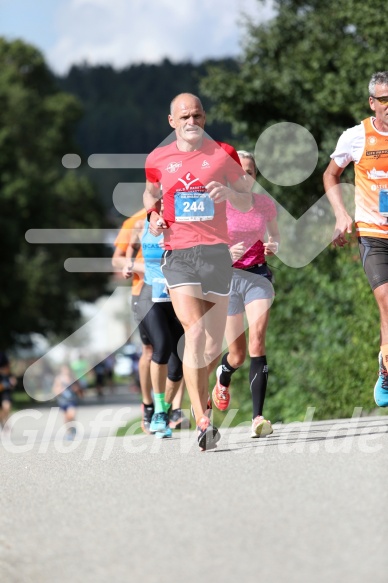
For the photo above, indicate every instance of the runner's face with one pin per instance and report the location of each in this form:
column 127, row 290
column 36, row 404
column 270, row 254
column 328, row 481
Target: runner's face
column 188, row 119
column 248, row 166
column 380, row 110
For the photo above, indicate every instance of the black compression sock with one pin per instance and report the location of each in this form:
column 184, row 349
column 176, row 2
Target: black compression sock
column 227, row 371
column 258, row 378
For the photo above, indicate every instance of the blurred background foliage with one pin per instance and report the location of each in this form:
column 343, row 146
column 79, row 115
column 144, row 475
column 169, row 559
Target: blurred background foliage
column 310, row 65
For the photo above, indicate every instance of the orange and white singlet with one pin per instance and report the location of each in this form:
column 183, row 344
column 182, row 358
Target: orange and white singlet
column 123, row 240
column 368, row 149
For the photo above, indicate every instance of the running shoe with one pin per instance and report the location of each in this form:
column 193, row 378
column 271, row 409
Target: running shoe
column 159, row 425
column 147, row 413
column 261, row 427
column 5, row 431
column 70, row 433
column 178, row 420
column 221, row 395
column 209, row 407
column 208, row 435
column 381, row 386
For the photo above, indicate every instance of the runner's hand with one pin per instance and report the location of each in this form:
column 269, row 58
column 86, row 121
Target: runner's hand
column 271, row 247
column 218, row 192
column 237, row 251
column 157, row 224
column 127, row 270
column 342, row 227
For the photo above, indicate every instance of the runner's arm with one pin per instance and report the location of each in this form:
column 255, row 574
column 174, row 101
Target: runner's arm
column 272, row 246
column 331, row 182
column 131, row 266
column 241, row 197
column 152, row 203
column 118, row 258
column 238, row 193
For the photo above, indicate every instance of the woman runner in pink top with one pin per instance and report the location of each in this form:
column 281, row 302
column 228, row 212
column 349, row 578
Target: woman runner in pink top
column 251, row 293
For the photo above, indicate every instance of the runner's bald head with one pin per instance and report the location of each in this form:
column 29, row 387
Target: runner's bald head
column 183, row 98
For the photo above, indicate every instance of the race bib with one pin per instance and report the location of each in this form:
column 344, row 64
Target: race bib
column 193, row 206
column 160, row 291
column 383, row 202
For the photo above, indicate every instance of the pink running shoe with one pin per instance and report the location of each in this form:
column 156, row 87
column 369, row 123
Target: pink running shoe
column 220, row 394
column 261, row 427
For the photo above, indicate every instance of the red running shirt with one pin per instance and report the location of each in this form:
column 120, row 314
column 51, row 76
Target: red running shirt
column 185, row 174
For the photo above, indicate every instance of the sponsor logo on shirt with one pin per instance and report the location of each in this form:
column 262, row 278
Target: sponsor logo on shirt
column 376, row 174
column 173, row 167
column 377, row 153
column 205, row 164
column 189, row 181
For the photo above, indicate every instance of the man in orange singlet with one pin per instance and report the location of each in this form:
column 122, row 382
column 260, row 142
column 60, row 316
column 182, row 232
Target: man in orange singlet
column 177, row 418
column 366, row 145
column 119, row 260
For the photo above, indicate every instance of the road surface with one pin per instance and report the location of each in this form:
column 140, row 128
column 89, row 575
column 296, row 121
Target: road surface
column 307, row 504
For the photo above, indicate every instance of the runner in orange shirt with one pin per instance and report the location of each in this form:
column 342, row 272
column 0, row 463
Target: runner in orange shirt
column 119, row 260
column 366, row 145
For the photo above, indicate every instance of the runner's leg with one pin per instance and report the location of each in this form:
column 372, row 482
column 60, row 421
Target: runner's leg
column 215, row 322
column 190, row 309
column 381, row 295
column 145, row 374
column 258, row 317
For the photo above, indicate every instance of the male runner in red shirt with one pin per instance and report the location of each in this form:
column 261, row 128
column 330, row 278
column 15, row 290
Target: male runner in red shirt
column 196, row 175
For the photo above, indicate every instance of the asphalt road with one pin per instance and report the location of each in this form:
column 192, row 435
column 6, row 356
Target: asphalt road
column 307, row 504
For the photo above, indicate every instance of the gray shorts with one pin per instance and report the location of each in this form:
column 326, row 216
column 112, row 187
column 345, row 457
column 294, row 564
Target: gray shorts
column 247, row 287
column 209, row 266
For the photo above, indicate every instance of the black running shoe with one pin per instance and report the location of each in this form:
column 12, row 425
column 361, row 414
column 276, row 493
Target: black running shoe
column 147, row 412
column 208, row 435
column 178, row 420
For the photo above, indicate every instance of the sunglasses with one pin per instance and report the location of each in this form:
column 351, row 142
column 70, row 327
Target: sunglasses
column 383, row 100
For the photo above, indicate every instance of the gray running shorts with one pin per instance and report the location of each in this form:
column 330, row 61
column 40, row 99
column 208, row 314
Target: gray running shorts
column 209, row 266
column 247, row 287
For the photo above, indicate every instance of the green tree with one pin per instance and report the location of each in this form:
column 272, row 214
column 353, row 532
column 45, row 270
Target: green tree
column 322, row 342
column 310, row 65
column 126, row 112
column 36, row 192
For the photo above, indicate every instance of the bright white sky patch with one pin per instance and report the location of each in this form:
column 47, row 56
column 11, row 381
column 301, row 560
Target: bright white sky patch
column 122, row 32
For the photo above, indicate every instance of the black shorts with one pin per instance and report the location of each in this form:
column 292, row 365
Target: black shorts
column 374, row 257
column 209, row 266
column 5, row 395
column 138, row 319
column 164, row 331
column 65, row 404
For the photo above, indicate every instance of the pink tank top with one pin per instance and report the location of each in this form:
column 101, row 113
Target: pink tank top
column 250, row 227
